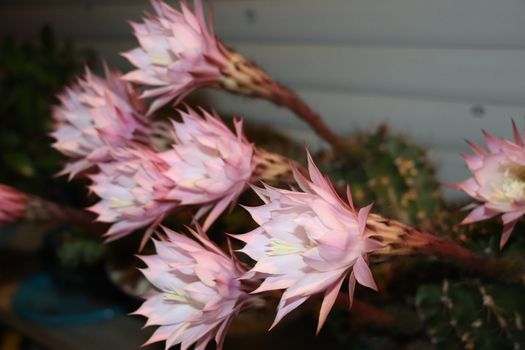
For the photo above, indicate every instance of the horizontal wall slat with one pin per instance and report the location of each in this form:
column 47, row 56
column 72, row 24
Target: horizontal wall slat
column 450, row 168
column 395, row 22
column 432, row 123
column 472, row 23
column 450, row 165
column 484, row 76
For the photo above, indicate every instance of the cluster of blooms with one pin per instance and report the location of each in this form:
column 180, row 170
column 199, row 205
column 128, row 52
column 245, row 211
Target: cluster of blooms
column 102, row 123
column 307, row 242
column 498, row 181
column 208, row 165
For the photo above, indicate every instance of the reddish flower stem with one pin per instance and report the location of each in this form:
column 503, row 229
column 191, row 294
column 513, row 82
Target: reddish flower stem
column 283, row 96
column 38, row 209
column 365, row 312
column 402, row 239
column 244, row 77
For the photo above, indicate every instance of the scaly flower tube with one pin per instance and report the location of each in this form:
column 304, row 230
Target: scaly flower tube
column 12, row 204
column 197, row 291
column 19, row 206
column 498, row 181
column 94, row 115
column 180, row 53
column 308, row 243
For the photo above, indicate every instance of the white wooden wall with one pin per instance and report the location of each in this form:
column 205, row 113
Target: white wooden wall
column 439, row 71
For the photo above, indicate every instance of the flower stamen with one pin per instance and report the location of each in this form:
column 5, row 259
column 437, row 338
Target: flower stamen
column 280, row 247
column 513, row 185
column 159, row 59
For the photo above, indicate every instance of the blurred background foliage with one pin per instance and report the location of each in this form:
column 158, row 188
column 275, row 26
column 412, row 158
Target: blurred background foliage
column 31, row 74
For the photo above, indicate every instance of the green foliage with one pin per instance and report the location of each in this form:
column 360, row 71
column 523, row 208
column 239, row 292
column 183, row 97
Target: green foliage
column 272, row 140
column 78, row 250
column 472, row 315
column 394, row 174
column 31, row 74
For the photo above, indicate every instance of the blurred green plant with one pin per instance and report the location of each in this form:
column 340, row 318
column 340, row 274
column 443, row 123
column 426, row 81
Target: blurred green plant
column 473, row 315
column 79, row 249
column 31, row 74
column 395, row 174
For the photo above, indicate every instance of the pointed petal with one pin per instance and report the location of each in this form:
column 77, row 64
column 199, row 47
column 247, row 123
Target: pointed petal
column 478, row 214
column 351, row 289
column 328, row 302
column 362, row 217
column 516, row 133
column 493, row 143
column 363, row 275
column 216, row 211
column 507, row 231
column 285, row 307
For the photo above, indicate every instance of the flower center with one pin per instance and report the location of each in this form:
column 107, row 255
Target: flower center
column 176, row 294
column 280, row 247
column 513, row 184
column 159, row 59
column 120, row 203
column 179, row 295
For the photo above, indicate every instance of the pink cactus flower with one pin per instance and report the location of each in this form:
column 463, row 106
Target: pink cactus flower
column 197, row 291
column 93, row 115
column 12, row 204
column 177, row 53
column 308, row 242
column 209, row 164
column 498, row 181
column 132, row 190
